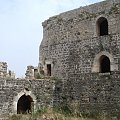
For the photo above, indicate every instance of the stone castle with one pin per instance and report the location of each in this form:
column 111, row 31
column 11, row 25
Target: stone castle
column 82, row 48
column 80, row 59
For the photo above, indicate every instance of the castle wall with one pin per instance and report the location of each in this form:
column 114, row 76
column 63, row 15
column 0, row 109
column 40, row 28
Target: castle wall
column 11, row 90
column 80, row 23
column 90, row 93
column 72, row 45
column 71, row 39
column 79, row 56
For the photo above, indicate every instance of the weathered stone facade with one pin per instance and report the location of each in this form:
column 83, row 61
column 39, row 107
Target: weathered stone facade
column 12, row 90
column 80, row 52
column 82, row 48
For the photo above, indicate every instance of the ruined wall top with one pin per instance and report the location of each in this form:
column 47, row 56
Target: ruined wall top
column 4, row 71
column 96, row 8
column 81, row 23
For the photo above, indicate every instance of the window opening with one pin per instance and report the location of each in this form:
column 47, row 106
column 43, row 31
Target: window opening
column 104, row 64
column 49, row 69
column 102, row 25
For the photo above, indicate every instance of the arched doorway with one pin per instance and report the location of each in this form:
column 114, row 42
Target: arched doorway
column 102, row 26
column 104, row 64
column 24, row 104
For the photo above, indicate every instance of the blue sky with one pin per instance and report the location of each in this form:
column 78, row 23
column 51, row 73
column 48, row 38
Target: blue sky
column 21, row 29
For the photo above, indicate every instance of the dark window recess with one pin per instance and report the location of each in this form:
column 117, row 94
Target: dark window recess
column 49, row 69
column 24, row 105
column 104, row 64
column 102, row 26
column 95, row 98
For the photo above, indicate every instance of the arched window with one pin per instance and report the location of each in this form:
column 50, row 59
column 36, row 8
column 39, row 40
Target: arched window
column 104, row 64
column 102, row 26
column 24, row 105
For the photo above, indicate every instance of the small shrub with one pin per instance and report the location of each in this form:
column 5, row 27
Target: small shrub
column 37, row 76
column 63, row 110
column 62, row 113
column 41, row 111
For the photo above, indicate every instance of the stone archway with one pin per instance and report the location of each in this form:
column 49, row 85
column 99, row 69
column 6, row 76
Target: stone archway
column 102, row 26
column 24, row 102
column 97, row 63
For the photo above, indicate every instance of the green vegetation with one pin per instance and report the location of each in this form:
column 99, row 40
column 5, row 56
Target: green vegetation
column 114, row 9
column 61, row 114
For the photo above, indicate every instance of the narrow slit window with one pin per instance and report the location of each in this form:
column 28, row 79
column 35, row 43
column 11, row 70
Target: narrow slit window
column 49, row 69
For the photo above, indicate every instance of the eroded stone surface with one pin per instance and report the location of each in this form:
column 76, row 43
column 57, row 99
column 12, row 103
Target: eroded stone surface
column 73, row 44
column 41, row 91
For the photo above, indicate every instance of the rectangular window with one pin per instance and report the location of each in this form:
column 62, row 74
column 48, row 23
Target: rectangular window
column 49, row 69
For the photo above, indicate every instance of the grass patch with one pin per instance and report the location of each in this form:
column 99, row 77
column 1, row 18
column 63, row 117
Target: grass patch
column 61, row 114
